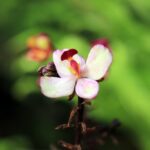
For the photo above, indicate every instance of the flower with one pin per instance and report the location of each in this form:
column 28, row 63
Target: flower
column 39, row 47
column 75, row 74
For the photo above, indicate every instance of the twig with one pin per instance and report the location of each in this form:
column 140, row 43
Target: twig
column 79, row 120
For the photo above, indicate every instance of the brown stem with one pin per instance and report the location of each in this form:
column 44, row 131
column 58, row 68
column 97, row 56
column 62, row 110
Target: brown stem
column 79, row 120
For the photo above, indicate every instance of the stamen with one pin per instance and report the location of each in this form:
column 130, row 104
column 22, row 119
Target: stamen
column 75, row 68
column 67, row 55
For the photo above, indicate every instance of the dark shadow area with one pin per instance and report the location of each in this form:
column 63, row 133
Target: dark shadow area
column 36, row 117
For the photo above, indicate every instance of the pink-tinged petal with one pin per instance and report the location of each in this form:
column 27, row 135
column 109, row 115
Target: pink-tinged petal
column 87, row 88
column 62, row 67
column 98, row 62
column 68, row 54
column 54, row 87
column 79, row 59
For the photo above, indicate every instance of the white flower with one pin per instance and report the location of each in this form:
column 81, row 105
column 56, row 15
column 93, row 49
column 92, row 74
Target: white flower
column 76, row 74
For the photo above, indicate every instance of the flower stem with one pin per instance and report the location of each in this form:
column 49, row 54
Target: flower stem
column 79, row 120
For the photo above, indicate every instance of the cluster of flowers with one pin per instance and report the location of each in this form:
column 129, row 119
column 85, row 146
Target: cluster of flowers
column 71, row 74
column 39, row 47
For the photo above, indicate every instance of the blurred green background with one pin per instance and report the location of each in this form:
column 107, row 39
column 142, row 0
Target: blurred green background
column 27, row 118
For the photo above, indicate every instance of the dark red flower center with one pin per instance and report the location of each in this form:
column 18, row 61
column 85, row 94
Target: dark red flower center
column 74, row 66
column 68, row 54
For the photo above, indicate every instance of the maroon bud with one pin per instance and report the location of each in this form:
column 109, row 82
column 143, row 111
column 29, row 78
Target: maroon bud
column 48, row 70
column 103, row 42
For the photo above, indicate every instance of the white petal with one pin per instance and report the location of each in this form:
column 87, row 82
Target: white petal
column 79, row 59
column 62, row 67
column 98, row 62
column 54, row 87
column 87, row 88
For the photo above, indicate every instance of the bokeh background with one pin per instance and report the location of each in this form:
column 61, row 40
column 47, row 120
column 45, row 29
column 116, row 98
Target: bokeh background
column 27, row 118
